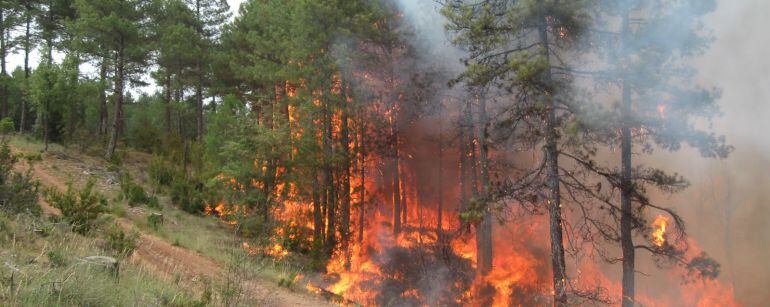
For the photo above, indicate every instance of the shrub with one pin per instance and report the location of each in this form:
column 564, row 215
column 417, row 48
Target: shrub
column 120, row 242
column 79, row 208
column 153, row 203
column 155, row 220
column 6, row 126
column 188, row 196
column 56, row 259
column 18, row 192
column 161, row 172
column 132, row 192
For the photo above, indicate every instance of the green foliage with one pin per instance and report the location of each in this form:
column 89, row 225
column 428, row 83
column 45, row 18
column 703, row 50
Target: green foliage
column 155, row 220
column 133, row 192
column 33, row 156
column 79, row 208
column 6, row 126
column 161, row 172
column 153, row 203
column 188, row 195
column 56, row 258
column 120, row 242
column 18, row 191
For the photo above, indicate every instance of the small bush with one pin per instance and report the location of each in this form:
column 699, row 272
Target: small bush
column 154, row 203
column 56, row 259
column 132, row 192
column 188, row 196
column 18, row 192
column 79, row 208
column 6, row 126
column 161, row 172
column 120, row 242
column 33, row 156
column 155, row 220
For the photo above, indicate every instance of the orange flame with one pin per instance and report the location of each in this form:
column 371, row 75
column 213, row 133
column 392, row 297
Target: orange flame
column 659, row 232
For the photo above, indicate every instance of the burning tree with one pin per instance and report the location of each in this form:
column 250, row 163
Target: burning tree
column 660, row 107
column 518, row 47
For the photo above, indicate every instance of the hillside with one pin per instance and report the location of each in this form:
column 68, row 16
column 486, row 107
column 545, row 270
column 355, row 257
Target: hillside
column 173, row 264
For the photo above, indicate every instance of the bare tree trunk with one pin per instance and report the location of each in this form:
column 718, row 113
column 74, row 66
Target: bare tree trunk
column 27, row 51
column 199, row 103
column 3, row 72
column 167, row 101
column 554, row 198
column 118, row 116
column 104, row 114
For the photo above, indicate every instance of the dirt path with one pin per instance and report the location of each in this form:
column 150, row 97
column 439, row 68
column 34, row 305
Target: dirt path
column 171, row 262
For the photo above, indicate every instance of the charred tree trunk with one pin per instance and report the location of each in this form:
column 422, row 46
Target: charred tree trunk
column 484, row 229
column 318, row 222
column 118, row 116
column 440, row 205
column 345, row 177
column 396, row 175
column 626, row 206
column 553, row 182
column 362, row 173
column 329, row 176
column 402, row 182
column 626, row 218
column 463, row 167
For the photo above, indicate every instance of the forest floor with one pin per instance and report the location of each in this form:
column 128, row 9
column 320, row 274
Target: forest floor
column 170, row 255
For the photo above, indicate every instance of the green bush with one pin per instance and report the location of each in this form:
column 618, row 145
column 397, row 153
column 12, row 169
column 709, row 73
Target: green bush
column 120, row 242
column 33, row 156
column 56, row 258
column 161, row 173
column 18, row 192
column 153, row 203
column 79, row 208
column 188, row 196
column 132, row 192
column 155, row 220
column 6, row 126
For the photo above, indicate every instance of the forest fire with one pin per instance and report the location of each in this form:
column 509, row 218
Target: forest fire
column 401, row 195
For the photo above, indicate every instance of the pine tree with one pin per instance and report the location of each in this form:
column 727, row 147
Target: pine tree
column 651, row 77
column 9, row 20
column 116, row 29
column 210, row 15
column 29, row 40
column 517, row 46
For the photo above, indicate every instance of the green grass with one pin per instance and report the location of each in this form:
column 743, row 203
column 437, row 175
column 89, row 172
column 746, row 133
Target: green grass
column 205, row 235
column 47, row 270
